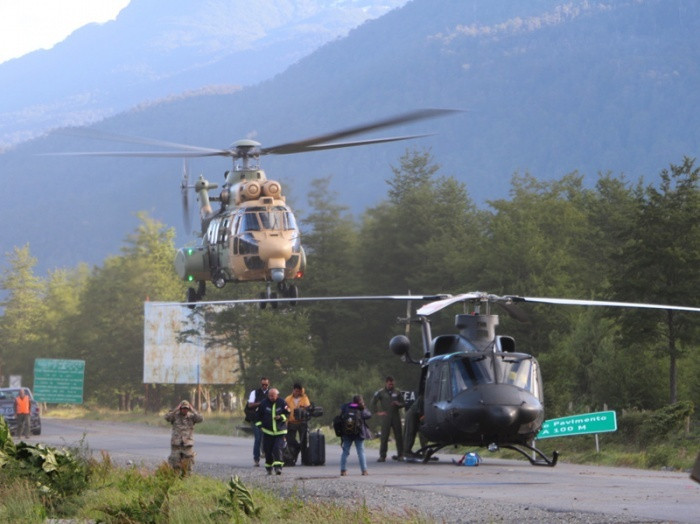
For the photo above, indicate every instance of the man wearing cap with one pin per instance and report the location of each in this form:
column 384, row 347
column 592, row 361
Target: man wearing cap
column 183, row 418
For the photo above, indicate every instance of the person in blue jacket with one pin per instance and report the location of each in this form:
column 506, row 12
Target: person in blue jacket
column 272, row 419
column 355, row 415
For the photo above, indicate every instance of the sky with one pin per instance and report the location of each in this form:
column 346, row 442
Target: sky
column 28, row 25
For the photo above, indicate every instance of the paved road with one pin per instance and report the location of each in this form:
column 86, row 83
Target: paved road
column 637, row 494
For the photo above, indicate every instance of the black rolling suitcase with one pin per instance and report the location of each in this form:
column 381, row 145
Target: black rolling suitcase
column 316, row 452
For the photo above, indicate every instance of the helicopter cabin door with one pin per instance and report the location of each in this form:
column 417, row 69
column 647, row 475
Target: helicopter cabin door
column 438, row 397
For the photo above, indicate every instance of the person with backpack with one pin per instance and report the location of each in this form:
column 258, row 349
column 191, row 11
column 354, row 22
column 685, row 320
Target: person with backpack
column 353, row 429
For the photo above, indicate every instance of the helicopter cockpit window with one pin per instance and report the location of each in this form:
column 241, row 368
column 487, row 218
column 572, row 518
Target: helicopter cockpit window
column 516, row 372
column 249, row 222
column 445, row 391
column 277, row 218
column 470, row 372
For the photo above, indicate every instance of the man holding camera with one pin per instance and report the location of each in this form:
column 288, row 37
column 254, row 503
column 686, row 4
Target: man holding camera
column 297, row 425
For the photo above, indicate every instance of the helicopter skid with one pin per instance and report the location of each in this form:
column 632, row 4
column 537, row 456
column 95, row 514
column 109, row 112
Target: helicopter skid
column 426, row 453
column 543, row 459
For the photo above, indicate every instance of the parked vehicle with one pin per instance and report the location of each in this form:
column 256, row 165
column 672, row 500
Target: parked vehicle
column 7, row 410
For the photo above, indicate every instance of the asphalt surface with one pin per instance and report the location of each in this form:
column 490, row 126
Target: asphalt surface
column 622, row 494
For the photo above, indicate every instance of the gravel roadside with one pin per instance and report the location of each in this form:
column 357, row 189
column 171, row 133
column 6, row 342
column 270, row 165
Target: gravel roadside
column 398, row 501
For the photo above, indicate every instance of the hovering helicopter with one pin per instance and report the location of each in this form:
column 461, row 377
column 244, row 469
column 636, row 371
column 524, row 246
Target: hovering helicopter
column 253, row 236
column 474, row 388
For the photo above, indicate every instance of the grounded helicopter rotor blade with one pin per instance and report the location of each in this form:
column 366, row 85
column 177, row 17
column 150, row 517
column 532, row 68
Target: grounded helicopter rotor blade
column 433, row 307
column 308, row 143
column 514, row 312
column 300, row 299
column 576, row 302
column 436, row 306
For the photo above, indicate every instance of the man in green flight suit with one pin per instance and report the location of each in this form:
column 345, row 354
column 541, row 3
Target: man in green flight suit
column 390, row 402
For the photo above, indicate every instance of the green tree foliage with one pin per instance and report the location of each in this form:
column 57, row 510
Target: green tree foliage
column 109, row 329
column 21, row 337
column 331, row 242
column 659, row 264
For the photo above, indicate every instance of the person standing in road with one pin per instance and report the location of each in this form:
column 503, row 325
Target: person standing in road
column 272, row 420
column 354, row 432
column 387, row 404
column 22, row 410
column 297, row 425
column 251, row 415
column 183, row 418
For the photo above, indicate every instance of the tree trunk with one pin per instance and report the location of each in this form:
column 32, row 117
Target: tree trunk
column 673, row 371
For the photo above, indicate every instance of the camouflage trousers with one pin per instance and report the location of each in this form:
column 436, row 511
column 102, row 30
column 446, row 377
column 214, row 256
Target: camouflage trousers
column 182, row 458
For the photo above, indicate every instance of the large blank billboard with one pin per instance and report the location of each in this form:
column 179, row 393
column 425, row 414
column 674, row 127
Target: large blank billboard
column 170, row 358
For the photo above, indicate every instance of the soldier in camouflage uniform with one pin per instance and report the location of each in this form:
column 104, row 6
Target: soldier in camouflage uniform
column 183, row 418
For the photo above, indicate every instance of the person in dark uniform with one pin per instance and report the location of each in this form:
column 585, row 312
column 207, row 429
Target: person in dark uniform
column 387, row 404
column 254, row 399
column 272, row 420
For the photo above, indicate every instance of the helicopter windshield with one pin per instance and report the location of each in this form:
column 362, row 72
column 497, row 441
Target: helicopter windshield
column 515, row 371
column 470, row 372
column 277, row 218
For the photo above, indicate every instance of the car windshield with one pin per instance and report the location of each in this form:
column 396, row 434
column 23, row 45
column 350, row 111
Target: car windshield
column 9, row 393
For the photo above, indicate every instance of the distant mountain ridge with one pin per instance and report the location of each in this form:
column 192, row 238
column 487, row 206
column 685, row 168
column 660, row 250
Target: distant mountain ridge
column 155, row 50
column 549, row 87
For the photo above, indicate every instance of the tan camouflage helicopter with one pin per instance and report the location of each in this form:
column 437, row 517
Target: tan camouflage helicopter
column 253, row 236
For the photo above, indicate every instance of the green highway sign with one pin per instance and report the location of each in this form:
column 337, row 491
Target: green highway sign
column 59, row 381
column 600, row 422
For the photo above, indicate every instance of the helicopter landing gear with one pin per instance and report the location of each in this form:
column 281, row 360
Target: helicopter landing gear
column 543, row 459
column 266, row 295
column 193, row 295
column 428, row 451
column 288, row 291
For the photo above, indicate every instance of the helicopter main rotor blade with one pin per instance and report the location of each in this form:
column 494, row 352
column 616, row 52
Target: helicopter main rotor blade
column 300, row 299
column 128, row 139
column 576, row 302
column 147, row 154
column 308, row 143
column 514, row 312
column 338, row 145
column 438, row 305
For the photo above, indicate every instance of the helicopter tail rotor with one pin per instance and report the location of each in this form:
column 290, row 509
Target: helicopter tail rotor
column 184, row 191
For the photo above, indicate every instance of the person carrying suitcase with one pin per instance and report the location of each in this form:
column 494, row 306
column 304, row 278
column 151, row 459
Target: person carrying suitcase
column 353, row 416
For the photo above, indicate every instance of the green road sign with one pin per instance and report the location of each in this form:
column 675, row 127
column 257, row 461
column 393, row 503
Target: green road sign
column 59, row 381
column 600, row 422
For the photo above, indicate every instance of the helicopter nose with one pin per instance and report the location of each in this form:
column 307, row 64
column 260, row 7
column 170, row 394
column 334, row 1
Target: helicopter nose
column 275, row 249
column 501, row 416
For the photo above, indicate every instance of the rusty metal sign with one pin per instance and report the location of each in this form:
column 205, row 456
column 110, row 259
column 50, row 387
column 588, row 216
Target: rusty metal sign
column 169, row 357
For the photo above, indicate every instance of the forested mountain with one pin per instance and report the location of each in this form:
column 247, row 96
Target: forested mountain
column 154, row 51
column 548, row 88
